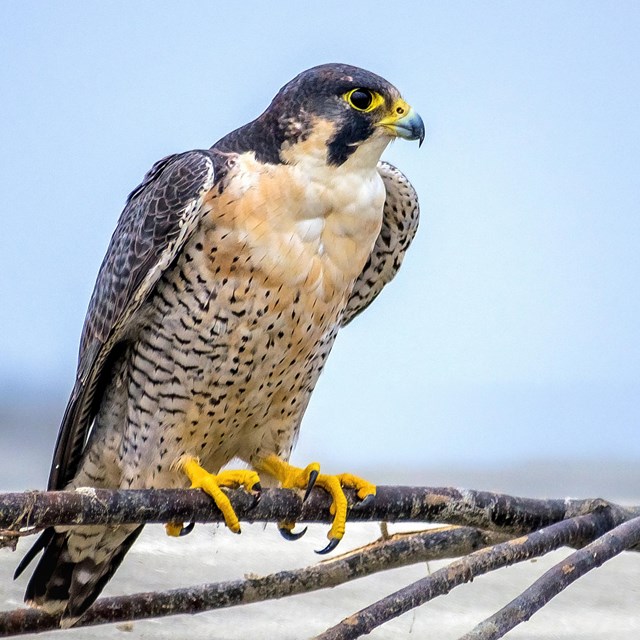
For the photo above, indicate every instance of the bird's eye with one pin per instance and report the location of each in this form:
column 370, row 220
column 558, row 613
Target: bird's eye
column 363, row 99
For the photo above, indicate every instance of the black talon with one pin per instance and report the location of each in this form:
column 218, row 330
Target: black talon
column 313, row 476
column 366, row 501
column 287, row 534
column 333, row 543
column 185, row 531
column 256, row 491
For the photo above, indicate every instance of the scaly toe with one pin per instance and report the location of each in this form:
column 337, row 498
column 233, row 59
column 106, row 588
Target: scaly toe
column 334, row 486
column 290, row 477
column 363, row 488
column 174, row 529
column 234, row 478
column 210, row 484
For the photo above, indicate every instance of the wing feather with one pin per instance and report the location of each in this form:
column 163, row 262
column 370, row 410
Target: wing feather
column 159, row 216
column 400, row 219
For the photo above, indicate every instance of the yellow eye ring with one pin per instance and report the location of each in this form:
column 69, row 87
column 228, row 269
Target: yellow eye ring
column 363, row 100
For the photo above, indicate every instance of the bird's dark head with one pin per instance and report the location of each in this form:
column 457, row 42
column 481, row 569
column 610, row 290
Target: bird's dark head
column 328, row 112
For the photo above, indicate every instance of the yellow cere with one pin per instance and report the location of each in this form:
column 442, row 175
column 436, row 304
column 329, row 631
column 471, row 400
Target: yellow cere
column 400, row 108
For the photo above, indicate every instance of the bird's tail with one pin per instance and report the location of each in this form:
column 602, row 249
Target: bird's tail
column 75, row 567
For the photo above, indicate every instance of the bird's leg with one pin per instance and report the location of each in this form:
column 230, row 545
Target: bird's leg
column 297, row 478
column 211, row 484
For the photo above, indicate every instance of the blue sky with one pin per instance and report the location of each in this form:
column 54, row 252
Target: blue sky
column 513, row 330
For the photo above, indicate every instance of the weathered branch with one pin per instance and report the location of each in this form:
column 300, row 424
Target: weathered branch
column 566, row 522
column 557, row 579
column 573, row 531
column 399, row 551
column 491, row 511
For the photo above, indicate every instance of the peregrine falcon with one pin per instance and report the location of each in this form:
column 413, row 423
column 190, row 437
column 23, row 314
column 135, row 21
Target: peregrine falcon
column 224, row 285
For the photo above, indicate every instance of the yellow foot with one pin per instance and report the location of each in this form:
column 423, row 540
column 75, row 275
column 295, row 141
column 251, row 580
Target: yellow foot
column 334, row 486
column 211, row 484
column 174, row 529
column 177, row 529
column 291, row 477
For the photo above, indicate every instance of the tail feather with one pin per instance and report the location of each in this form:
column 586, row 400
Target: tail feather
column 52, row 576
column 63, row 585
column 83, row 594
column 42, row 541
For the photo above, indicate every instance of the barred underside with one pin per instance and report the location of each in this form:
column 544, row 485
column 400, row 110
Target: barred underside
column 225, row 283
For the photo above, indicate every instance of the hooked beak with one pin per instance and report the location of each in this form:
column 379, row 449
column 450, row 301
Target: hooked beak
column 404, row 122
